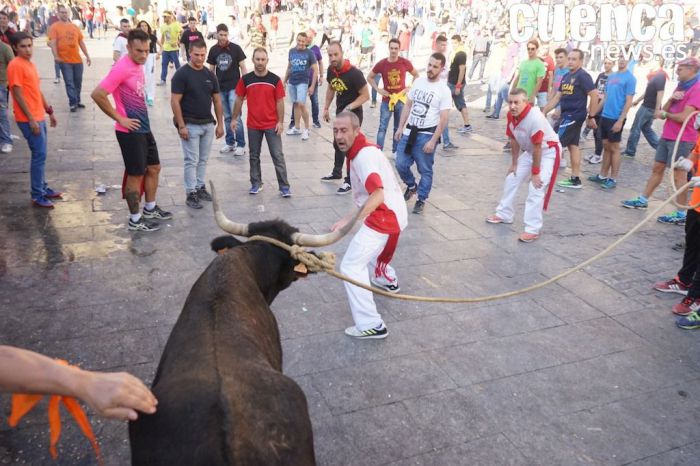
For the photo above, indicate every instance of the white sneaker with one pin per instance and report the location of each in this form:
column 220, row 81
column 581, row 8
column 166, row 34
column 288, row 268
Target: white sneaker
column 376, row 333
column 14, row 136
column 57, row 80
column 293, row 132
column 305, row 135
column 227, row 149
column 238, row 151
column 5, row 148
column 562, row 163
column 595, row 159
column 393, row 156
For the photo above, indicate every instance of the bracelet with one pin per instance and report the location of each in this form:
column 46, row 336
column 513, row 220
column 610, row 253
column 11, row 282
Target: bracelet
column 535, row 170
column 591, row 117
column 49, row 110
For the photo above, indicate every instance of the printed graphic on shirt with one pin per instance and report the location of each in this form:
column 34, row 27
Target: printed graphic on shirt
column 421, row 105
column 338, row 85
column 223, row 62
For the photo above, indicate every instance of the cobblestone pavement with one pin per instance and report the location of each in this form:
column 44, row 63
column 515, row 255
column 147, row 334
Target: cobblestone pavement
column 590, row 370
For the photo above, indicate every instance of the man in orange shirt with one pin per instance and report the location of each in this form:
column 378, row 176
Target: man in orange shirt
column 30, row 110
column 66, row 43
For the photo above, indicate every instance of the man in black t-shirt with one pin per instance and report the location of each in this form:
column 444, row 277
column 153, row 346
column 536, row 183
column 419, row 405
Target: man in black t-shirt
column 190, row 35
column 651, row 101
column 194, row 87
column 456, row 80
column 228, row 61
column 349, row 87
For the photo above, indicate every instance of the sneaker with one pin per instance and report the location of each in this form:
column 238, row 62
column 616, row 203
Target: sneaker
column 410, row 191
column 285, row 192
column 160, row 83
column 331, row 178
column 563, row 163
column 674, row 218
column 57, row 80
column 691, row 322
column 635, row 203
column 79, row 105
column 673, row 285
column 496, row 219
column 226, row 149
column 239, row 151
column 157, row 214
column 149, row 102
column 418, row 207
column 687, row 306
column 506, row 147
column 492, row 117
column 449, row 147
column 373, row 105
column 596, row 178
column 51, row 194
column 143, row 225
column 203, row 194
column 627, row 155
column 5, row 148
column 487, row 110
column 609, row 184
column 345, row 188
column 293, row 131
column 465, row 129
column 393, row 155
column 595, row 159
column 42, row 202
column 572, row 183
column 73, row 108
column 376, row 333
column 391, row 287
column 193, row 200
column 526, row 237
column 317, row 124
column 255, row 189
column 305, row 135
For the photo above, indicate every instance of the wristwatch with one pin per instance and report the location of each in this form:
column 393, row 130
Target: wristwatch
column 591, row 117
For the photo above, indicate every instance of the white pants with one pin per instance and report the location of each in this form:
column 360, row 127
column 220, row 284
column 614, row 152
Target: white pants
column 359, row 261
column 149, row 74
column 535, row 197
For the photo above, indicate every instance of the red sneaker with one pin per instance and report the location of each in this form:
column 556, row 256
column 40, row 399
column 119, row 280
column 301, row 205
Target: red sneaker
column 673, row 285
column 686, row 307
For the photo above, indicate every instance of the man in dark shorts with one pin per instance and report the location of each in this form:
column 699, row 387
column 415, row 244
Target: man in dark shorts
column 573, row 95
column 125, row 82
column 348, row 84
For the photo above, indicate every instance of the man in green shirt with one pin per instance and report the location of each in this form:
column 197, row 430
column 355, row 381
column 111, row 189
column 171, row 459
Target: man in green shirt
column 170, row 44
column 531, row 72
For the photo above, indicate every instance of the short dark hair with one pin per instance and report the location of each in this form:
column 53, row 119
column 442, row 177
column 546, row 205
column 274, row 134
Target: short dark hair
column 440, row 57
column 457, row 37
column 302, row 34
column 4, row 13
column 221, row 27
column 581, row 54
column 441, row 38
column 18, row 37
column 559, row 50
column 260, row 49
column 394, row 40
column 124, row 21
column 137, row 34
column 191, row 18
column 198, row 44
column 518, row 91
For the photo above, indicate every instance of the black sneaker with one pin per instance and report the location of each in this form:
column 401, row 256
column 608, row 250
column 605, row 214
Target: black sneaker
column 330, row 178
column 345, row 188
column 418, row 208
column 193, row 201
column 410, row 191
column 80, row 105
column 202, row 194
column 391, row 287
column 157, row 214
column 143, row 225
column 74, row 108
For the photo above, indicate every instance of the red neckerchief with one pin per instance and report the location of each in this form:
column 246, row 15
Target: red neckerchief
column 343, row 69
column 121, row 34
column 517, row 119
column 359, row 144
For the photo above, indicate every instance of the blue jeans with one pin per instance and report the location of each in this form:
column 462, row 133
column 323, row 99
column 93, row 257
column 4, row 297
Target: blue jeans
column 73, row 79
column 228, row 98
column 642, row 125
column 423, row 161
column 196, row 150
column 502, row 97
column 445, row 136
column 4, row 120
column 167, row 57
column 37, row 145
column 377, row 77
column 384, row 116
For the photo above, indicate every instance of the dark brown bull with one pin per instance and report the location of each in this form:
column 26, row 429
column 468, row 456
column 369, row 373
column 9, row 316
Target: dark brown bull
column 222, row 397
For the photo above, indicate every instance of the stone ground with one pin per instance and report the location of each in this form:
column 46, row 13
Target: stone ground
column 590, row 370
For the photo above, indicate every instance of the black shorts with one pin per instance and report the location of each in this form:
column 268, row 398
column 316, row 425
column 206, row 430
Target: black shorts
column 138, row 151
column 569, row 132
column 606, row 131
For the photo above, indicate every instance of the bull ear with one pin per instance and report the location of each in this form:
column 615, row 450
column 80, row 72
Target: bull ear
column 316, row 241
column 239, row 229
column 224, row 242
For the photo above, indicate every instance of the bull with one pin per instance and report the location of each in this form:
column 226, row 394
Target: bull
column 222, row 397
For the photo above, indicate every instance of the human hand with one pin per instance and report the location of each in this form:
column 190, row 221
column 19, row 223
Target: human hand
column 52, row 121
column 383, row 92
column 511, row 169
column 537, row 181
column 398, row 134
column 34, row 127
column 219, row 131
column 310, row 92
column 279, row 128
column 429, row 147
column 339, row 224
column 184, row 133
column 617, row 127
column 88, row 61
column 115, row 395
column 326, row 115
column 234, row 124
column 131, row 124
column 591, row 123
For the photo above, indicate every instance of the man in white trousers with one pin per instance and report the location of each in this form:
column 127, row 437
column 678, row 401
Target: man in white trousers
column 376, row 191
column 536, row 154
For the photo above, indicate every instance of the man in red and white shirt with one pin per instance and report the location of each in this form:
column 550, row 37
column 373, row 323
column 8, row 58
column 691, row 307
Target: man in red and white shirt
column 529, row 132
column 377, row 193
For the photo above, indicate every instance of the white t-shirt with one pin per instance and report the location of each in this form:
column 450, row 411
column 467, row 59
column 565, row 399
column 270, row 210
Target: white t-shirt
column 119, row 45
column 429, row 99
column 532, row 129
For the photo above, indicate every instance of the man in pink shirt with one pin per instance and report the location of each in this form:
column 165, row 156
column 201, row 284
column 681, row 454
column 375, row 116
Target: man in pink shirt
column 125, row 82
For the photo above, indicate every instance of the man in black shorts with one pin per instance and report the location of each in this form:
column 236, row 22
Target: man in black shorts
column 125, row 82
column 573, row 94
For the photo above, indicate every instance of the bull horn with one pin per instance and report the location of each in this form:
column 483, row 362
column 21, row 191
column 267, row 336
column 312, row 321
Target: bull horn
column 238, row 229
column 317, row 241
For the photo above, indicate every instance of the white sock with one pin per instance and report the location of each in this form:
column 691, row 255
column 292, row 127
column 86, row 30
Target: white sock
column 135, row 217
column 150, row 205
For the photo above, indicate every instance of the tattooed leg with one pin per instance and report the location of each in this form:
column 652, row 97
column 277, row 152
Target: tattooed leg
column 133, row 193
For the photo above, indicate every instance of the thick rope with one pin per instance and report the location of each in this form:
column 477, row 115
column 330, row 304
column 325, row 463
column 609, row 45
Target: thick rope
column 672, row 171
column 326, row 263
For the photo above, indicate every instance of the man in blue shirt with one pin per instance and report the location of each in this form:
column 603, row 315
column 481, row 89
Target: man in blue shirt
column 619, row 91
column 301, row 60
column 572, row 95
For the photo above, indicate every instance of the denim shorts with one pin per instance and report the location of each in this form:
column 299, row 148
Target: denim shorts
column 298, row 92
column 665, row 149
column 459, row 98
column 542, row 99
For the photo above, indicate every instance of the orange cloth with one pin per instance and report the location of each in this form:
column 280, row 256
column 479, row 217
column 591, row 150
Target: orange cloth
column 695, row 157
column 22, row 73
column 67, row 37
column 22, row 404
